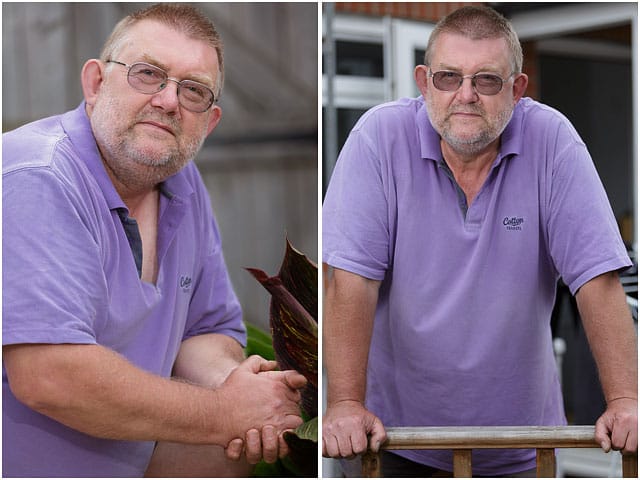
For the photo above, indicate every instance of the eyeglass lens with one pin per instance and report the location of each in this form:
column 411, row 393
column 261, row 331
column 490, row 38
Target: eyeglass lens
column 150, row 79
column 485, row 83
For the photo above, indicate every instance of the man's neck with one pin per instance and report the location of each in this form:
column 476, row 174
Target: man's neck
column 473, row 162
column 134, row 196
column 470, row 170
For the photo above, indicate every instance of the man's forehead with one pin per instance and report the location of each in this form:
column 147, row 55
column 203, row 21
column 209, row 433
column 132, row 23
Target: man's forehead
column 168, row 48
column 453, row 48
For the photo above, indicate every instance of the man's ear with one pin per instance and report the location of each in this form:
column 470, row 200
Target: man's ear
column 519, row 86
column 214, row 118
column 420, row 75
column 91, row 78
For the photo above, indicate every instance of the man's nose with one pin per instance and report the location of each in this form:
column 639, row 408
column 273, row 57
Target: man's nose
column 467, row 91
column 167, row 97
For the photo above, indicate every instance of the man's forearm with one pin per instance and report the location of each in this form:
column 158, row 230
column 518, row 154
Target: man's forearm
column 94, row 390
column 612, row 337
column 208, row 359
column 348, row 325
column 205, row 360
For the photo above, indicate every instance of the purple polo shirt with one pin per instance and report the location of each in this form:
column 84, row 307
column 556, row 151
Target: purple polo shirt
column 461, row 333
column 70, row 276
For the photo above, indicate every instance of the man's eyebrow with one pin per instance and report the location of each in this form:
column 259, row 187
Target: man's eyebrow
column 483, row 69
column 203, row 79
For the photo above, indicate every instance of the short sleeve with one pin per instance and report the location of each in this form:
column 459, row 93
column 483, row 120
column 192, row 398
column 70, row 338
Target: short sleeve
column 52, row 287
column 584, row 237
column 355, row 213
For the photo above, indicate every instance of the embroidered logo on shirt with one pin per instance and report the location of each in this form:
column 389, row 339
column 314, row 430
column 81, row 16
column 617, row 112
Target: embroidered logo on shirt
column 513, row 223
column 185, row 283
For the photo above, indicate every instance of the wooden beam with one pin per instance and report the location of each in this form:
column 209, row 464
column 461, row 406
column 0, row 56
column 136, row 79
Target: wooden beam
column 545, row 463
column 447, row 438
column 371, row 466
column 630, row 466
column 462, row 463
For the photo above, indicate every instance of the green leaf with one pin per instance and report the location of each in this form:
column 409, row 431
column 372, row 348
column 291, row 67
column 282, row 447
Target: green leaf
column 307, row 431
column 259, row 343
column 271, row 470
column 303, row 448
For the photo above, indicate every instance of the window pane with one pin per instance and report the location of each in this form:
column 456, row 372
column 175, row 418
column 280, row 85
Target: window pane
column 359, row 58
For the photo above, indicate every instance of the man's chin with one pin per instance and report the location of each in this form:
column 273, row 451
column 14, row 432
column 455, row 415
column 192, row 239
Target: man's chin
column 467, row 144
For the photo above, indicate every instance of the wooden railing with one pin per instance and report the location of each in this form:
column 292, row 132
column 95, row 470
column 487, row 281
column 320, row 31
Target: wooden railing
column 461, row 440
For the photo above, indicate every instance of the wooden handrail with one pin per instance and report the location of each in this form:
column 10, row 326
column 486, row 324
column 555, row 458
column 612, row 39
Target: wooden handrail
column 463, row 439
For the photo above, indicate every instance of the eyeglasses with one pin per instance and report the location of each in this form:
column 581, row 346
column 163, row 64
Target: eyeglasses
column 484, row 83
column 149, row 79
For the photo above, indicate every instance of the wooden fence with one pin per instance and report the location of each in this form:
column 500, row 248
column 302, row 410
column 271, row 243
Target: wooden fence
column 462, row 440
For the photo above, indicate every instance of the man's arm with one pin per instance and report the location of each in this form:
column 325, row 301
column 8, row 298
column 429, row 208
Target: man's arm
column 612, row 338
column 97, row 391
column 348, row 325
column 205, row 360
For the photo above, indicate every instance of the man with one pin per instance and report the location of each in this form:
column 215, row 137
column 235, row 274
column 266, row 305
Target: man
column 114, row 280
column 448, row 221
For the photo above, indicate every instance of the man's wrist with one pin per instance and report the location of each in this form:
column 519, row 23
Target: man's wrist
column 621, row 397
column 339, row 401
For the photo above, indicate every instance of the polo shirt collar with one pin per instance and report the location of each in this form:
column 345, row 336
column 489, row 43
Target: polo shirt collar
column 78, row 127
column 513, row 134
column 429, row 138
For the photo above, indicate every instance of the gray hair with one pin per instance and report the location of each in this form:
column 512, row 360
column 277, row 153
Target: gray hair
column 181, row 17
column 478, row 23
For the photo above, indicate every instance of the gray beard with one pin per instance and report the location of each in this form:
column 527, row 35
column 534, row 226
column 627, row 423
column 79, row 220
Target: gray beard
column 134, row 167
column 475, row 144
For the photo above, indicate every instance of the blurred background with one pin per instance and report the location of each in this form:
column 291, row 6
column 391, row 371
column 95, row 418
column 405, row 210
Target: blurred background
column 260, row 165
column 581, row 58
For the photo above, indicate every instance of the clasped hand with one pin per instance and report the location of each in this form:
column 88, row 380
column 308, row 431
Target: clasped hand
column 263, row 404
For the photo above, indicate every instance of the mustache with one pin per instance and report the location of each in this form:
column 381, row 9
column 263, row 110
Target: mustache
column 154, row 116
column 467, row 109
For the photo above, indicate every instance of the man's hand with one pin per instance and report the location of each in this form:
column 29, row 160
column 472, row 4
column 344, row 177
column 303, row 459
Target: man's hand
column 263, row 404
column 617, row 428
column 265, row 445
column 345, row 428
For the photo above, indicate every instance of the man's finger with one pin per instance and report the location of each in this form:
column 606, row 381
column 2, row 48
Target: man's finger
column 294, row 379
column 377, row 436
column 253, row 446
column 257, row 364
column 269, row 444
column 619, row 439
column 291, row 422
column 233, row 451
column 602, row 435
column 283, row 447
column 345, row 445
column 358, row 443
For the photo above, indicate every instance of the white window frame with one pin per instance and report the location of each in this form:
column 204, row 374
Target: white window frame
column 406, row 37
column 351, row 91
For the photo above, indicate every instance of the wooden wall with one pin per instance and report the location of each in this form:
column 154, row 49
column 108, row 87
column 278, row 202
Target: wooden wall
column 260, row 165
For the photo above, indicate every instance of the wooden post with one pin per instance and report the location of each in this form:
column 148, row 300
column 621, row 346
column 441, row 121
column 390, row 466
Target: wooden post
column 462, row 463
column 371, row 465
column 630, row 465
column 545, row 463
